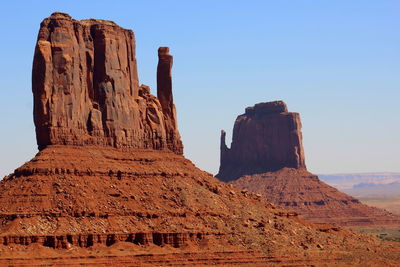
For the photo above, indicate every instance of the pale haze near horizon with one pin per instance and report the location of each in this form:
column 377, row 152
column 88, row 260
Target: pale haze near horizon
column 337, row 63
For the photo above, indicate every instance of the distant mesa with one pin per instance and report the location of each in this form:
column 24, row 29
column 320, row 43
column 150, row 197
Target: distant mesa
column 267, row 157
column 349, row 180
column 86, row 88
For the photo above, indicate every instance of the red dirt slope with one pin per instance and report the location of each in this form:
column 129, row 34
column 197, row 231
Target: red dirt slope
column 315, row 201
column 86, row 200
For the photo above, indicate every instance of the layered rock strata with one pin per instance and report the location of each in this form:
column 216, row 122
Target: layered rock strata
column 314, row 200
column 94, row 198
column 142, row 205
column 86, row 89
column 265, row 138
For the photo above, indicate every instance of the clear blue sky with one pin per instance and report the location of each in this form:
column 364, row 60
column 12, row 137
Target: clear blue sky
column 337, row 63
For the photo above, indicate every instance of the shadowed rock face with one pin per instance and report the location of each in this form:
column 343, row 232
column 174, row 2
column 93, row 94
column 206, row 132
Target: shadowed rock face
column 86, row 89
column 164, row 95
column 266, row 138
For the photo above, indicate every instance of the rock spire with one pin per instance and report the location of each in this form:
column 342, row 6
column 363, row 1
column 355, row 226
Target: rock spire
column 164, row 95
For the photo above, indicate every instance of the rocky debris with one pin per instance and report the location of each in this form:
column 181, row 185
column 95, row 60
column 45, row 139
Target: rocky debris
column 266, row 138
column 86, row 90
column 83, row 197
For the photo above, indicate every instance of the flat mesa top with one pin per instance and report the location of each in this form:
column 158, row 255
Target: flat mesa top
column 61, row 15
column 267, row 108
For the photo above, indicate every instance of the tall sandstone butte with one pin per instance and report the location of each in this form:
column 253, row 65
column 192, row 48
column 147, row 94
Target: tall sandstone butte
column 86, row 89
column 265, row 138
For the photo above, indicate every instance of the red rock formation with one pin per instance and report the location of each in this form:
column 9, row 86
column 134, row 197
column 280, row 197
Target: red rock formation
column 266, row 138
column 314, row 200
column 164, row 95
column 164, row 80
column 93, row 199
column 267, row 157
column 108, row 206
column 86, row 89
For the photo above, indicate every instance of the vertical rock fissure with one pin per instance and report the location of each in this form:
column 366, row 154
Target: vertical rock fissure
column 89, row 78
column 128, row 51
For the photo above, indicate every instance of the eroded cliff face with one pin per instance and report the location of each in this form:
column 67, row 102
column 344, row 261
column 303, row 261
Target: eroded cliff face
column 266, row 138
column 86, row 89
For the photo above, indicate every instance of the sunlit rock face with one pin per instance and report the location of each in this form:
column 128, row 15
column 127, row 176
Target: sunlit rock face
column 86, row 89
